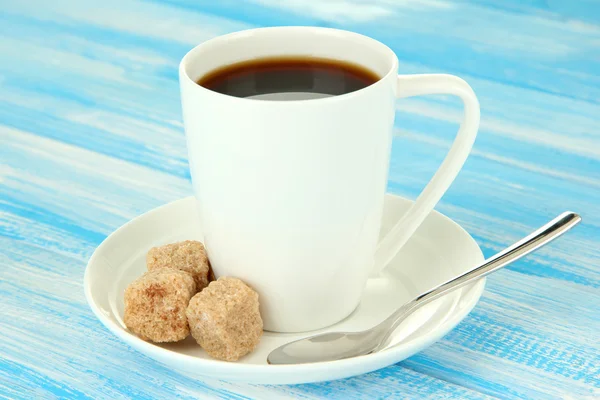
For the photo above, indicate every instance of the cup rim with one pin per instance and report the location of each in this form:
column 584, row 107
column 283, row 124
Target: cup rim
column 392, row 70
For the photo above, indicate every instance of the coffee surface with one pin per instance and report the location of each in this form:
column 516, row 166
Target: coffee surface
column 289, row 78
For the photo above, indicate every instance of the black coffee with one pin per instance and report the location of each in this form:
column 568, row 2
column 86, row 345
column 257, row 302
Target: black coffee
column 290, row 78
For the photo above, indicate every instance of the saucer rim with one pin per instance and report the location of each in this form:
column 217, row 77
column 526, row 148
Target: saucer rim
column 219, row 367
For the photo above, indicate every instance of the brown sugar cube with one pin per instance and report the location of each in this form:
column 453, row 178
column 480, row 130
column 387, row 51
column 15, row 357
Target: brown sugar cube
column 189, row 256
column 155, row 305
column 225, row 320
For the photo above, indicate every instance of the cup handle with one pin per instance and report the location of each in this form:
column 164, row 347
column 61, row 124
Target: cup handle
column 416, row 85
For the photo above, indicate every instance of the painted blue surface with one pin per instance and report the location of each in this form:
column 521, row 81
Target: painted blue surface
column 91, row 136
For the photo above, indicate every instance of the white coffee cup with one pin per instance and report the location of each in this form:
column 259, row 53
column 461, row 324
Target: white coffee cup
column 290, row 193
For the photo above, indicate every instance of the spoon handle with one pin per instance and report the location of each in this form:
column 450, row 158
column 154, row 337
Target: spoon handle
column 532, row 242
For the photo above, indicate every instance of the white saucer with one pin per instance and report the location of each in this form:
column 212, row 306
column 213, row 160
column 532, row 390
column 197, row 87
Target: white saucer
column 439, row 250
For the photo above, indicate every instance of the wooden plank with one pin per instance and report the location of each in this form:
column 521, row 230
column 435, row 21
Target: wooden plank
column 534, row 348
column 91, row 136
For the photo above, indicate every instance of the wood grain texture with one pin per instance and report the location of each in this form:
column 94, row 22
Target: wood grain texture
column 91, row 136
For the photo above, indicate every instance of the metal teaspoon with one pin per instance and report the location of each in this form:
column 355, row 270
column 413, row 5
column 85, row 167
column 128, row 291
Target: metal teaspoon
column 333, row 346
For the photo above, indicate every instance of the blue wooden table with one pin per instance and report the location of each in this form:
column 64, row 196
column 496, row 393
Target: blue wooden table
column 91, row 136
